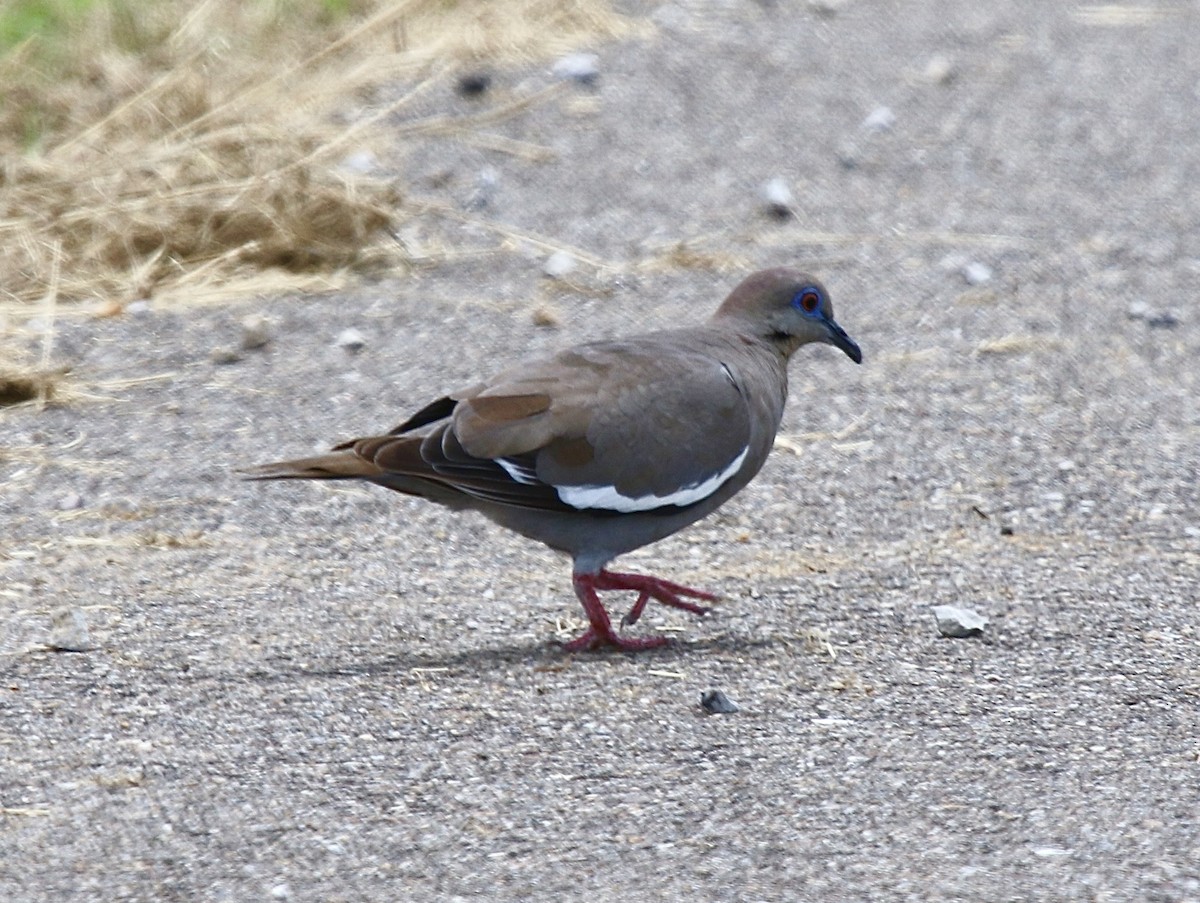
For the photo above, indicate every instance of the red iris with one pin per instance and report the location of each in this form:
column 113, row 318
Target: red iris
column 810, row 301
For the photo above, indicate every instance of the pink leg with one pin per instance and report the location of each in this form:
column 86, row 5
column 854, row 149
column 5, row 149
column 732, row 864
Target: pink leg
column 638, row 607
column 656, row 588
column 601, row 633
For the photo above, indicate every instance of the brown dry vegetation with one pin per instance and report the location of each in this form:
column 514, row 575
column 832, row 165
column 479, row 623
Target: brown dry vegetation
column 200, row 145
column 187, row 152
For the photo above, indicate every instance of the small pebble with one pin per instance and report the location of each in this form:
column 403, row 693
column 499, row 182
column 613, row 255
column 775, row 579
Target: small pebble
column 1162, row 321
column 69, row 631
column 778, row 198
column 558, row 264
column 256, row 332
column 224, row 354
column 140, row 308
column 546, row 317
column 360, row 162
column 579, row 67
column 472, row 84
column 977, row 273
column 880, row 119
column 717, row 703
column 1050, row 852
column 849, row 155
column 108, row 309
column 351, row 339
column 939, row 70
column 1139, row 310
column 69, row 502
column 958, row 623
column 485, row 188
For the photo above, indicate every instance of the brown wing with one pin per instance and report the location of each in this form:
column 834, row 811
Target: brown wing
column 647, row 417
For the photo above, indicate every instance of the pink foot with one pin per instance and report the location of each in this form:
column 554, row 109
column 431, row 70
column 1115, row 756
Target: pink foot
column 590, row 639
column 601, row 633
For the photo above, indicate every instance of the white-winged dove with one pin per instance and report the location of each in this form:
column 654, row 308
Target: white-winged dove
column 608, row 446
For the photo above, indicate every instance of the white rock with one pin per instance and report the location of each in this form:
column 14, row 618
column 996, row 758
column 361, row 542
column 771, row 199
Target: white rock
column 224, row 354
column 351, row 339
column 778, row 197
column 69, row 502
column 558, row 264
column 256, row 332
column 977, row 273
column 488, row 178
column 1139, row 310
column 581, row 67
column 956, row 622
column 69, row 631
column 360, row 162
column 1050, row 852
column 939, row 70
column 880, row 119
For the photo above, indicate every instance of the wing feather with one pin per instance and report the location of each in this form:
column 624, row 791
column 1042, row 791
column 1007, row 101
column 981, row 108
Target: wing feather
column 611, row 427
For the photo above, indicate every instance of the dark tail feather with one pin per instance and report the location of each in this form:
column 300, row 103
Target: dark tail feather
column 335, row 466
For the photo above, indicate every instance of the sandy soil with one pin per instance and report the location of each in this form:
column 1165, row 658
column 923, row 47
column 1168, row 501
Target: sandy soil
column 313, row 693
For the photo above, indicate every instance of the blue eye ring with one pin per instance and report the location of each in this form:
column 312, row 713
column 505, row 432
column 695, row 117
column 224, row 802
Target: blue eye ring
column 808, row 301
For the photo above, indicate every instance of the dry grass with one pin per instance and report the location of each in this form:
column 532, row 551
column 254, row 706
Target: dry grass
column 168, row 150
column 1014, row 343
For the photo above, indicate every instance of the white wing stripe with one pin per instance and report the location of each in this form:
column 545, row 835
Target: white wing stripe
column 522, row 475
column 607, row 497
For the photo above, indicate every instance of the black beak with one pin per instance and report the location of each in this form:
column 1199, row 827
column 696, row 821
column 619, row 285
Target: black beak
column 839, row 339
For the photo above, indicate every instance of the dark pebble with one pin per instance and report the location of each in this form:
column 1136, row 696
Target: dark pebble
column 473, row 84
column 717, row 703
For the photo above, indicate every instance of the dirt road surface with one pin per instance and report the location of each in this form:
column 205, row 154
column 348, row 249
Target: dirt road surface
column 298, row 692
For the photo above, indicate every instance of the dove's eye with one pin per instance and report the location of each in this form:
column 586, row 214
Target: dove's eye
column 808, row 300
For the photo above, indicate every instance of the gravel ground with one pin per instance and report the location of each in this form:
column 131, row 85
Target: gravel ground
column 313, row 693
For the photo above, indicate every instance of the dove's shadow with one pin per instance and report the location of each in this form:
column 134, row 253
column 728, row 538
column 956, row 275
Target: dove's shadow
column 535, row 656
